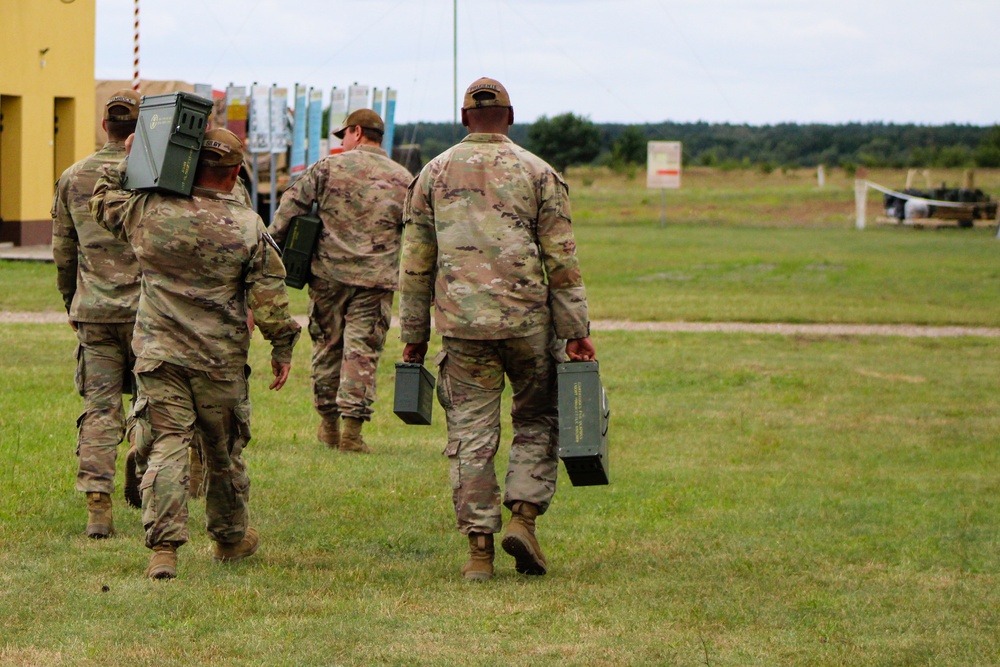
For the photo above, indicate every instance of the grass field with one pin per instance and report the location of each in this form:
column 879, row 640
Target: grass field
column 739, row 246
column 805, row 500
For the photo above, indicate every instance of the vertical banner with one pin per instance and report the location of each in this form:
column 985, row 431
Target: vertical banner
column 390, row 120
column 260, row 120
column 315, row 125
column 279, row 123
column 377, row 102
column 298, row 162
column 357, row 97
column 259, row 139
column 279, row 142
column 338, row 112
column 236, row 111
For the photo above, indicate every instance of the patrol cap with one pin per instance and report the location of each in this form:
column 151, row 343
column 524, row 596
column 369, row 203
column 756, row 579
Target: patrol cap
column 485, row 92
column 366, row 118
column 221, row 148
column 123, row 105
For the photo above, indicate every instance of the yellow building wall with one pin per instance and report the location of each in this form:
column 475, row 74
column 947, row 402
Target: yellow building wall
column 47, row 107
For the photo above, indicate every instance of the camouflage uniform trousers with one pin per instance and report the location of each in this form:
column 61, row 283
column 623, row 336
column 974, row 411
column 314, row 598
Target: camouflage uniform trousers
column 470, row 384
column 172, row 402
column 103, row 373
column 348, row 326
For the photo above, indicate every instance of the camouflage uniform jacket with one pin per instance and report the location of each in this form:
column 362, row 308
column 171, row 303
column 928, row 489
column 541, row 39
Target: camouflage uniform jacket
column 487, row 237
column 97, row 274
column 205, row 259
column 360, row 195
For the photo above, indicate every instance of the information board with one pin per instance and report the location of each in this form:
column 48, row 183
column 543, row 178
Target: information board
column 663, row 164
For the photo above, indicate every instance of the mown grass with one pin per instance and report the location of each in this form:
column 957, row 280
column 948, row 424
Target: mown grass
column 794, row 501
column 738, row 246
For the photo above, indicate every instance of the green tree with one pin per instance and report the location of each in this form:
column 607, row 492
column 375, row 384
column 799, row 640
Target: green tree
column 954, row 156
column 987, row 153
column 630, row 147
column 565, row 140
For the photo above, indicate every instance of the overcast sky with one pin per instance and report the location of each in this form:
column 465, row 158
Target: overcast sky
column 632, row 61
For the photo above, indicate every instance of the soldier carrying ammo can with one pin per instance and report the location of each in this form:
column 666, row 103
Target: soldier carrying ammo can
column 489, row 244
column 205, row 260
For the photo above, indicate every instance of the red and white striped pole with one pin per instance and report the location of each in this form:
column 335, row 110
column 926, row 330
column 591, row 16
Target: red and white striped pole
column 135, row 49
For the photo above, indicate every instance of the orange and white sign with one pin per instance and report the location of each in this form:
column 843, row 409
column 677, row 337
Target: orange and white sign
column 663, row 164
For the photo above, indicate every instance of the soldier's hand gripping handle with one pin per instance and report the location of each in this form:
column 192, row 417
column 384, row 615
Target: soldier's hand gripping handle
column 414, row 353
column 581, row 349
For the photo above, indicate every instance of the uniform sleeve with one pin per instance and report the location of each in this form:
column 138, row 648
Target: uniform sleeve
column 418, row 263
column 297, row 200
column 111, row 205
column 567, row 295
column 65, row 243
column 267, row 297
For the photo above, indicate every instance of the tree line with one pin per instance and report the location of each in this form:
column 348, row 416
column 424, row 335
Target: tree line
column 569, row 140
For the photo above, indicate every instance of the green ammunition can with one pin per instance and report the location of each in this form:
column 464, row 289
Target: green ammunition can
column 583, row 422
column 414, row 397
column 300, row 243
column 167, row 142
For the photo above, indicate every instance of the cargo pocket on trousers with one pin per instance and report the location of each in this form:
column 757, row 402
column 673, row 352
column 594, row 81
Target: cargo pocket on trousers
column 314, row 328
column 80, row 374
column 443, row 383
column 138, row 430
column 454, row 469
column 242, row 414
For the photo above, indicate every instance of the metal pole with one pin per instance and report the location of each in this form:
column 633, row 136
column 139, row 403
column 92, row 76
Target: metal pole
column 663, row 207
column 454, row 72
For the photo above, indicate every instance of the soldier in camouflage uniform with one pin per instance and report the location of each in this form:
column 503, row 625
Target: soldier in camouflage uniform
column 488, row 240
column 355, row 269
column 205, row 260
column 98, row 277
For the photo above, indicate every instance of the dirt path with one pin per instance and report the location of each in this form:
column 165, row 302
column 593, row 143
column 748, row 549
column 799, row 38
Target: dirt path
column 907, row 330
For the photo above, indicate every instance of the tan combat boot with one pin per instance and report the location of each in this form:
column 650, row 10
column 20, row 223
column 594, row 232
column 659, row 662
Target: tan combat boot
column 196, row 484
column 163, row 562
column 479, row 567
column 350, row 439
column 234, row 551
column 329, row 430
column 99, row 521
column 519, row 540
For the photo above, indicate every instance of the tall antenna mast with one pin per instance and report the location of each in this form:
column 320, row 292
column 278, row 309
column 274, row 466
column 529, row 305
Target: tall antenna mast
column 135, row 49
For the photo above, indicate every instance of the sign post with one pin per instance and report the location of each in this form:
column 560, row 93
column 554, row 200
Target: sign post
column 663, row 170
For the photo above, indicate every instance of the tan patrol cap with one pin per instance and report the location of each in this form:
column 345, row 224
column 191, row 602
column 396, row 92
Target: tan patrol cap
column 123, row 105
column 366, row 118
column 221, row 148
column 485, row 92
